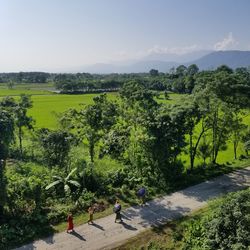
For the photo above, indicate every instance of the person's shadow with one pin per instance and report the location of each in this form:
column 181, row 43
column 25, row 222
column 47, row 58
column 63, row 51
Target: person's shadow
column 128, row 227
column 77, row 235
column 97, row 226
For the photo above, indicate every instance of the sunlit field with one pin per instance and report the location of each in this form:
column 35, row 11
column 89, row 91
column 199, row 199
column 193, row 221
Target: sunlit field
column 45, row 107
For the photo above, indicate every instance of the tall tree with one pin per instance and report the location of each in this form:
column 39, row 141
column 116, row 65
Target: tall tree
column 19, row 109
column 95, row 120
column 22, row 119
column 154, row 72
column 6, row 137
column 56, row 146
column 195, row 115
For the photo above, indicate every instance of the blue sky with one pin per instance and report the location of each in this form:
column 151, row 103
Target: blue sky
column 61, row 34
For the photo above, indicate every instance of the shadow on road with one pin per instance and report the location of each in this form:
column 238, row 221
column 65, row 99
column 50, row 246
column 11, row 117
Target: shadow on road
column 97, row 226
column 155, row 213
column 218, row 186
column 77, row 235
column 127, row 226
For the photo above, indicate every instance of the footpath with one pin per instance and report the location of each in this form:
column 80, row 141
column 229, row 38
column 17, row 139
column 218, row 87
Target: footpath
column 105, row 234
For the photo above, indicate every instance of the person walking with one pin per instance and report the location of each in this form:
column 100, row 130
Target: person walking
column 141, row 195
column 117, row 210
column 91, row 211
column 70, row 223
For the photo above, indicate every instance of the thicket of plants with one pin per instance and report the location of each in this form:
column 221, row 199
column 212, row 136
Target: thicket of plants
column 227, row 226
column 46, row 173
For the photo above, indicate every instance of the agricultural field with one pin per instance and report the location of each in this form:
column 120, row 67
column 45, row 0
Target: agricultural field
column 45, row 107
column 29, row 89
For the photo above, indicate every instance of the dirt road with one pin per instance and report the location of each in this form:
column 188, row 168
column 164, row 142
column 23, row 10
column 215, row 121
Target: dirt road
column 105, row 234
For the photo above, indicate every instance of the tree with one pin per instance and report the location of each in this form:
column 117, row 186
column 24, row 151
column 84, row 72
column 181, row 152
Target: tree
column 226, row 226
column 116, row 141
column 224, row 68
column 154, row 72
column 181, row 71
column 66, row 182
column 95, row 120
column 204, row 150
column 166, row 95
column 10, row 84
column 135, row 92
column 6, row 132
column 22, row 119
column 192, row 70
column 56, row 145
column 6, row 137
column 194, row 115
column 179, row 85
column 161, row 139
column 218, row 95
column 189, row 83
column 19, row 109
column 237, row 131
column 246, row 140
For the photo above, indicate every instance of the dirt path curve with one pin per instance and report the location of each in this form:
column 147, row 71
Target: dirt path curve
column 106, row 234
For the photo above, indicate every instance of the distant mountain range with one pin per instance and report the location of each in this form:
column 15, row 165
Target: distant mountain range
column 203, row 59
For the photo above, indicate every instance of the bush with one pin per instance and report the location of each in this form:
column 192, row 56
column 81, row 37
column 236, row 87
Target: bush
column 21, row 230
column 226, row 227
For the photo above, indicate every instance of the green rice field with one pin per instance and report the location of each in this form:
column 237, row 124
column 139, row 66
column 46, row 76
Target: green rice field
column 45, row 107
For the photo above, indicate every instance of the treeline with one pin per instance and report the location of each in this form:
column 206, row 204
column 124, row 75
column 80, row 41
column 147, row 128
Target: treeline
column 25, row 77
column 146, row 137
column 181, row 79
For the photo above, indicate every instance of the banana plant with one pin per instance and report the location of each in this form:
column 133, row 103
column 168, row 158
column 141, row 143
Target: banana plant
column 67, row 182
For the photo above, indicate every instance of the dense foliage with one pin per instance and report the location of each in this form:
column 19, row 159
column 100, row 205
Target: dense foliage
column 226, row 227
column 47, row 173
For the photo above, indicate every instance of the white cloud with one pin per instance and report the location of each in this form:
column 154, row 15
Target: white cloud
column 155, row 50
column 227, row 43
column 122, row 53
column 171, row 50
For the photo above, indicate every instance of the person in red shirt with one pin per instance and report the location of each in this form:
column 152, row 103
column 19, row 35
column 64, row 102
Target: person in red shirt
column 70, row 223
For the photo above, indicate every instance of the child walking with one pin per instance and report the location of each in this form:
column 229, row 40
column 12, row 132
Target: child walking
column 117, row 210
column 70, row 223
column 91, row 211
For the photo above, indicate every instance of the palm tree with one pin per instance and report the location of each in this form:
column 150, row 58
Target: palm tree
column 67, row 182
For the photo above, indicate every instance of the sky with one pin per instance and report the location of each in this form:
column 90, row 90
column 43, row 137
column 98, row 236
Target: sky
column 54, row 35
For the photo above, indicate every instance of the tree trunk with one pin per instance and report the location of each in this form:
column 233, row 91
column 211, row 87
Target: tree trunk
column 235, row 150
column 91, row 151
column 20, row 141
column 214, row 131
column 2, row 190
column 191, row 151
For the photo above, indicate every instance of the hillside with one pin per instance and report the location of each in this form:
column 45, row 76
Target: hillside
column 232, row 58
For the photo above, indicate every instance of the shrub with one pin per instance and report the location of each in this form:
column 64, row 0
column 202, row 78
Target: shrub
column 226, row 227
